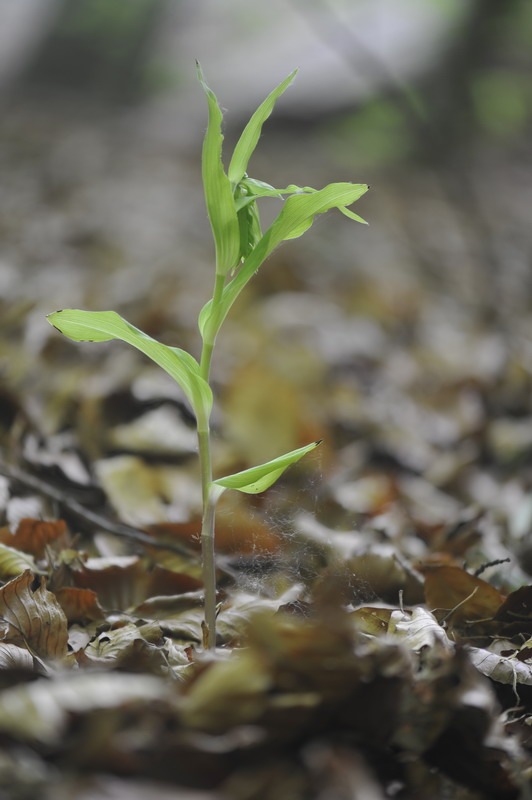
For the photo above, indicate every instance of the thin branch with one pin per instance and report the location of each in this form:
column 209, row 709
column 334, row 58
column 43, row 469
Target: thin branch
column 78, row 511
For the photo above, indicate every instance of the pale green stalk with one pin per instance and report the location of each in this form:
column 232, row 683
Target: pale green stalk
column 208, row 498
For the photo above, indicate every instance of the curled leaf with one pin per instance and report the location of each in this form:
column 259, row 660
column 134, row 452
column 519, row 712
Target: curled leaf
column 258, row 479
column 251, row 133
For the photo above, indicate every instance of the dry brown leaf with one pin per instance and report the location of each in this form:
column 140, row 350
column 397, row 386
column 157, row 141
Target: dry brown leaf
column 119, row 582
column 34, row 535
column 33, row 617
column 517, row 606
column 238, row 529
column 165, row 582
column 79, row 605
column 453, row 593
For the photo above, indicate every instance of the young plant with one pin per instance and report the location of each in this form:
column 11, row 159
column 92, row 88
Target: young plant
column 240, row 249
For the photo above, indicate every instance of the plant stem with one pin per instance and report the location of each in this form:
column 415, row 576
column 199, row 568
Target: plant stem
column 208, row 498
column 208, row 346
column 209, row 572
column 207, row 538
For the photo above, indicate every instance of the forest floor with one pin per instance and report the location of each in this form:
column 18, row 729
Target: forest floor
column 375, row 623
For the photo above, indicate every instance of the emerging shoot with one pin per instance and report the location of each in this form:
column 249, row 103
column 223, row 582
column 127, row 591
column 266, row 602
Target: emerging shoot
column 241, row 248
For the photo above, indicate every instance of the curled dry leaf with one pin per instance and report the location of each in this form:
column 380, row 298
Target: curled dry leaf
column 418, row 629
column 33, row 617
column 15, row 658
column 502, row 669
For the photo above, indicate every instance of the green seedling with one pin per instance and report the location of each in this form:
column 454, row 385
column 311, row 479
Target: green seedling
column 241, row 248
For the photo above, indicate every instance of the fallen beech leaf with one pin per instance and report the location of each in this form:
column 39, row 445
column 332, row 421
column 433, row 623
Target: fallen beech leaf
column 126, row 581
column 228, row 692
column 139, row 646
column 34, row 535
column 79, row 605
column 453, row 593
column 517, row 606
column 503, row 669
column 33, row 618
column 40, row 710
column 372, row 621
column 16, row 658
column 166, row 582
column 238, row 530
column 118, row 582
column 13, row 562
column 418, row 629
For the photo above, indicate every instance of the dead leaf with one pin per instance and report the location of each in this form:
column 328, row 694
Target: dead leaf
column 503, row 669
column 33, row 617
column 371, row 621
column 34, row 535
column 418, row 629
column 459, row 597
column 123, row 582
column 40, row 711
column 129, row 647
column 13, row 657
column 13, row 562
column 517, row 606
column 79, row 605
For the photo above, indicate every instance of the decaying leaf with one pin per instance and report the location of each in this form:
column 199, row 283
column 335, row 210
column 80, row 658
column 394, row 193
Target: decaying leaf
column 33, row 617
column 418, row 629
column 13, row 562
column 131, row 647
column 123, row 582
column 40, row 710
column 454, row 594
column 34, row 535
column 502, row 669
column 79, row 605
column 14, row 657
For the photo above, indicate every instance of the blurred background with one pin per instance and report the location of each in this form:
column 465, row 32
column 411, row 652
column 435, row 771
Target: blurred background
column 101, row 205
column 102, row 121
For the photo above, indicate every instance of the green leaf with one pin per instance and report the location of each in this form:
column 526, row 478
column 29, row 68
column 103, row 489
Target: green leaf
column 103, row 326
column 261, row 189
column 351, row 215
column 258, row 479
column 217, row 188
column 296, row 216
column 251, row 133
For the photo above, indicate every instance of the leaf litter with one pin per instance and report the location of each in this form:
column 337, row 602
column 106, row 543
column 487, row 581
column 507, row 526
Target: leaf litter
column 375, row 608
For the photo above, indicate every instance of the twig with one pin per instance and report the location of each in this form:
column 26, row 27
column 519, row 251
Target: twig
column 80, row 512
